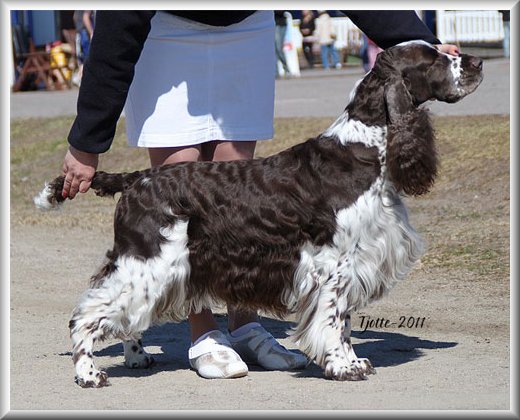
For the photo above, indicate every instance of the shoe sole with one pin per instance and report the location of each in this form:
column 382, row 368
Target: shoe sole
column 238, row 374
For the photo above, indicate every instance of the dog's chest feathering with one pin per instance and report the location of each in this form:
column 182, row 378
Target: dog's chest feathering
column 373, row 247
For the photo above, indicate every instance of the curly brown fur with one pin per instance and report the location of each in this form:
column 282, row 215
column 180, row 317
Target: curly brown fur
column 56, row 187
column 411, row 154
column 248, row 219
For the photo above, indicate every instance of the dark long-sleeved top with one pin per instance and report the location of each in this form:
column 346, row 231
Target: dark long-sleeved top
column 119, row 38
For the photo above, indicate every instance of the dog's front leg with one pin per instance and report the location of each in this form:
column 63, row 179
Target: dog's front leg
column 363, row 364
column 337, row 362
column 320, row 332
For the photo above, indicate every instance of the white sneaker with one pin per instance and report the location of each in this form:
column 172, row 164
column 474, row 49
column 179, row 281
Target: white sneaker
column 259, row 347
column 213, row 358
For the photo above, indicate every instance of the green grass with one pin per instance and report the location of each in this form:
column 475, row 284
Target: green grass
column 465, row 218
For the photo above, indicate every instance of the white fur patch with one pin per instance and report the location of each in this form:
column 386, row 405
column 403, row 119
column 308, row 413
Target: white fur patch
column 130, row 299
column 456, row 71
column 43, row 201
column 135, row 355
column 414, row 41
column 347, row 130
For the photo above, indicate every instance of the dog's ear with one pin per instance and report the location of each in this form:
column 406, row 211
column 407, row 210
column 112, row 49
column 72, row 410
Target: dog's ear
column 398, row 100
column 411, row 156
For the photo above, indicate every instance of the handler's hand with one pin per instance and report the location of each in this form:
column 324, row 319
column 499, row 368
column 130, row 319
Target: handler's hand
column 448, row 49
column 79, row 168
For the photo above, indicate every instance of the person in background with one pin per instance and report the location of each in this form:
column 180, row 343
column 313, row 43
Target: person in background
column 307, row 28
column 363, row 52
column 326, row 38
column 84, row 23
column 183, row 104
column 279, row 38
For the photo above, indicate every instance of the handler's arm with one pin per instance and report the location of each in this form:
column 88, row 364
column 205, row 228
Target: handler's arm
column 117, row 43
column 391, row 27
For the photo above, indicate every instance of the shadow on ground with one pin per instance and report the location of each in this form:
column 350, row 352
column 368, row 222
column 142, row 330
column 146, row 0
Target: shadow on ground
column 383, row 348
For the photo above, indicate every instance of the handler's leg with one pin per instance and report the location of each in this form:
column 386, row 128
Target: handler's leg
column 211, row 354
column 202, row 322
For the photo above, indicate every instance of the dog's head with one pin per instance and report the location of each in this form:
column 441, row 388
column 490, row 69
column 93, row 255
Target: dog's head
column 388, row 97
column 413, row 73
column 427, row 73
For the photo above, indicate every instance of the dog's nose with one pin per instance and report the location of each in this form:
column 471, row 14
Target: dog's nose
column 476, row 62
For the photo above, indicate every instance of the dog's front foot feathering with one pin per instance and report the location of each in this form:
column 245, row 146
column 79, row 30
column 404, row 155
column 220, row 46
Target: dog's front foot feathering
column 344, row 365
column 365, row 366
column 89, row 377
column 341, row 370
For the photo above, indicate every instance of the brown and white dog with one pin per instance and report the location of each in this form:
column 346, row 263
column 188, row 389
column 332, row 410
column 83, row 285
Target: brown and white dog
column 318, row 230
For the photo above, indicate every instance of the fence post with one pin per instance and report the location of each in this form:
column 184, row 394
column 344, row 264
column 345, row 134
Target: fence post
column 441, row 25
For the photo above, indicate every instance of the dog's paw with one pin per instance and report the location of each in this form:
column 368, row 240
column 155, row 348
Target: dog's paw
column 345, row 373
column 94, row 379
column 135, row 355
column 139, row 361
column 365, row 366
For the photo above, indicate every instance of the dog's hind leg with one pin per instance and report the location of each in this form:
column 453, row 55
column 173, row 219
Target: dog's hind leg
column 132, row 294
column 87, row 374
column 363, row 364
column 118, row 309
column 135, row 355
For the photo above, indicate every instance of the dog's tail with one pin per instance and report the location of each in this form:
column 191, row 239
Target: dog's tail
column 103, row 184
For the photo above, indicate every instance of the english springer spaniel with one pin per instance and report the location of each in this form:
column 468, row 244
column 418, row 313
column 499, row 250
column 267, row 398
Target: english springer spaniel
column 318, row 230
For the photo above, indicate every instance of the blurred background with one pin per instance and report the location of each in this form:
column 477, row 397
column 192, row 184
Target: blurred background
column 49, row 46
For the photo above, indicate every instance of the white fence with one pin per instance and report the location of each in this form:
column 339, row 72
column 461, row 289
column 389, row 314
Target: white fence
column 475, row 26
column 348, row 34
column 469, row 26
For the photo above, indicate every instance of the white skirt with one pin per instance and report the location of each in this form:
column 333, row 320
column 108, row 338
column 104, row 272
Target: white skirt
column 196, row 83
